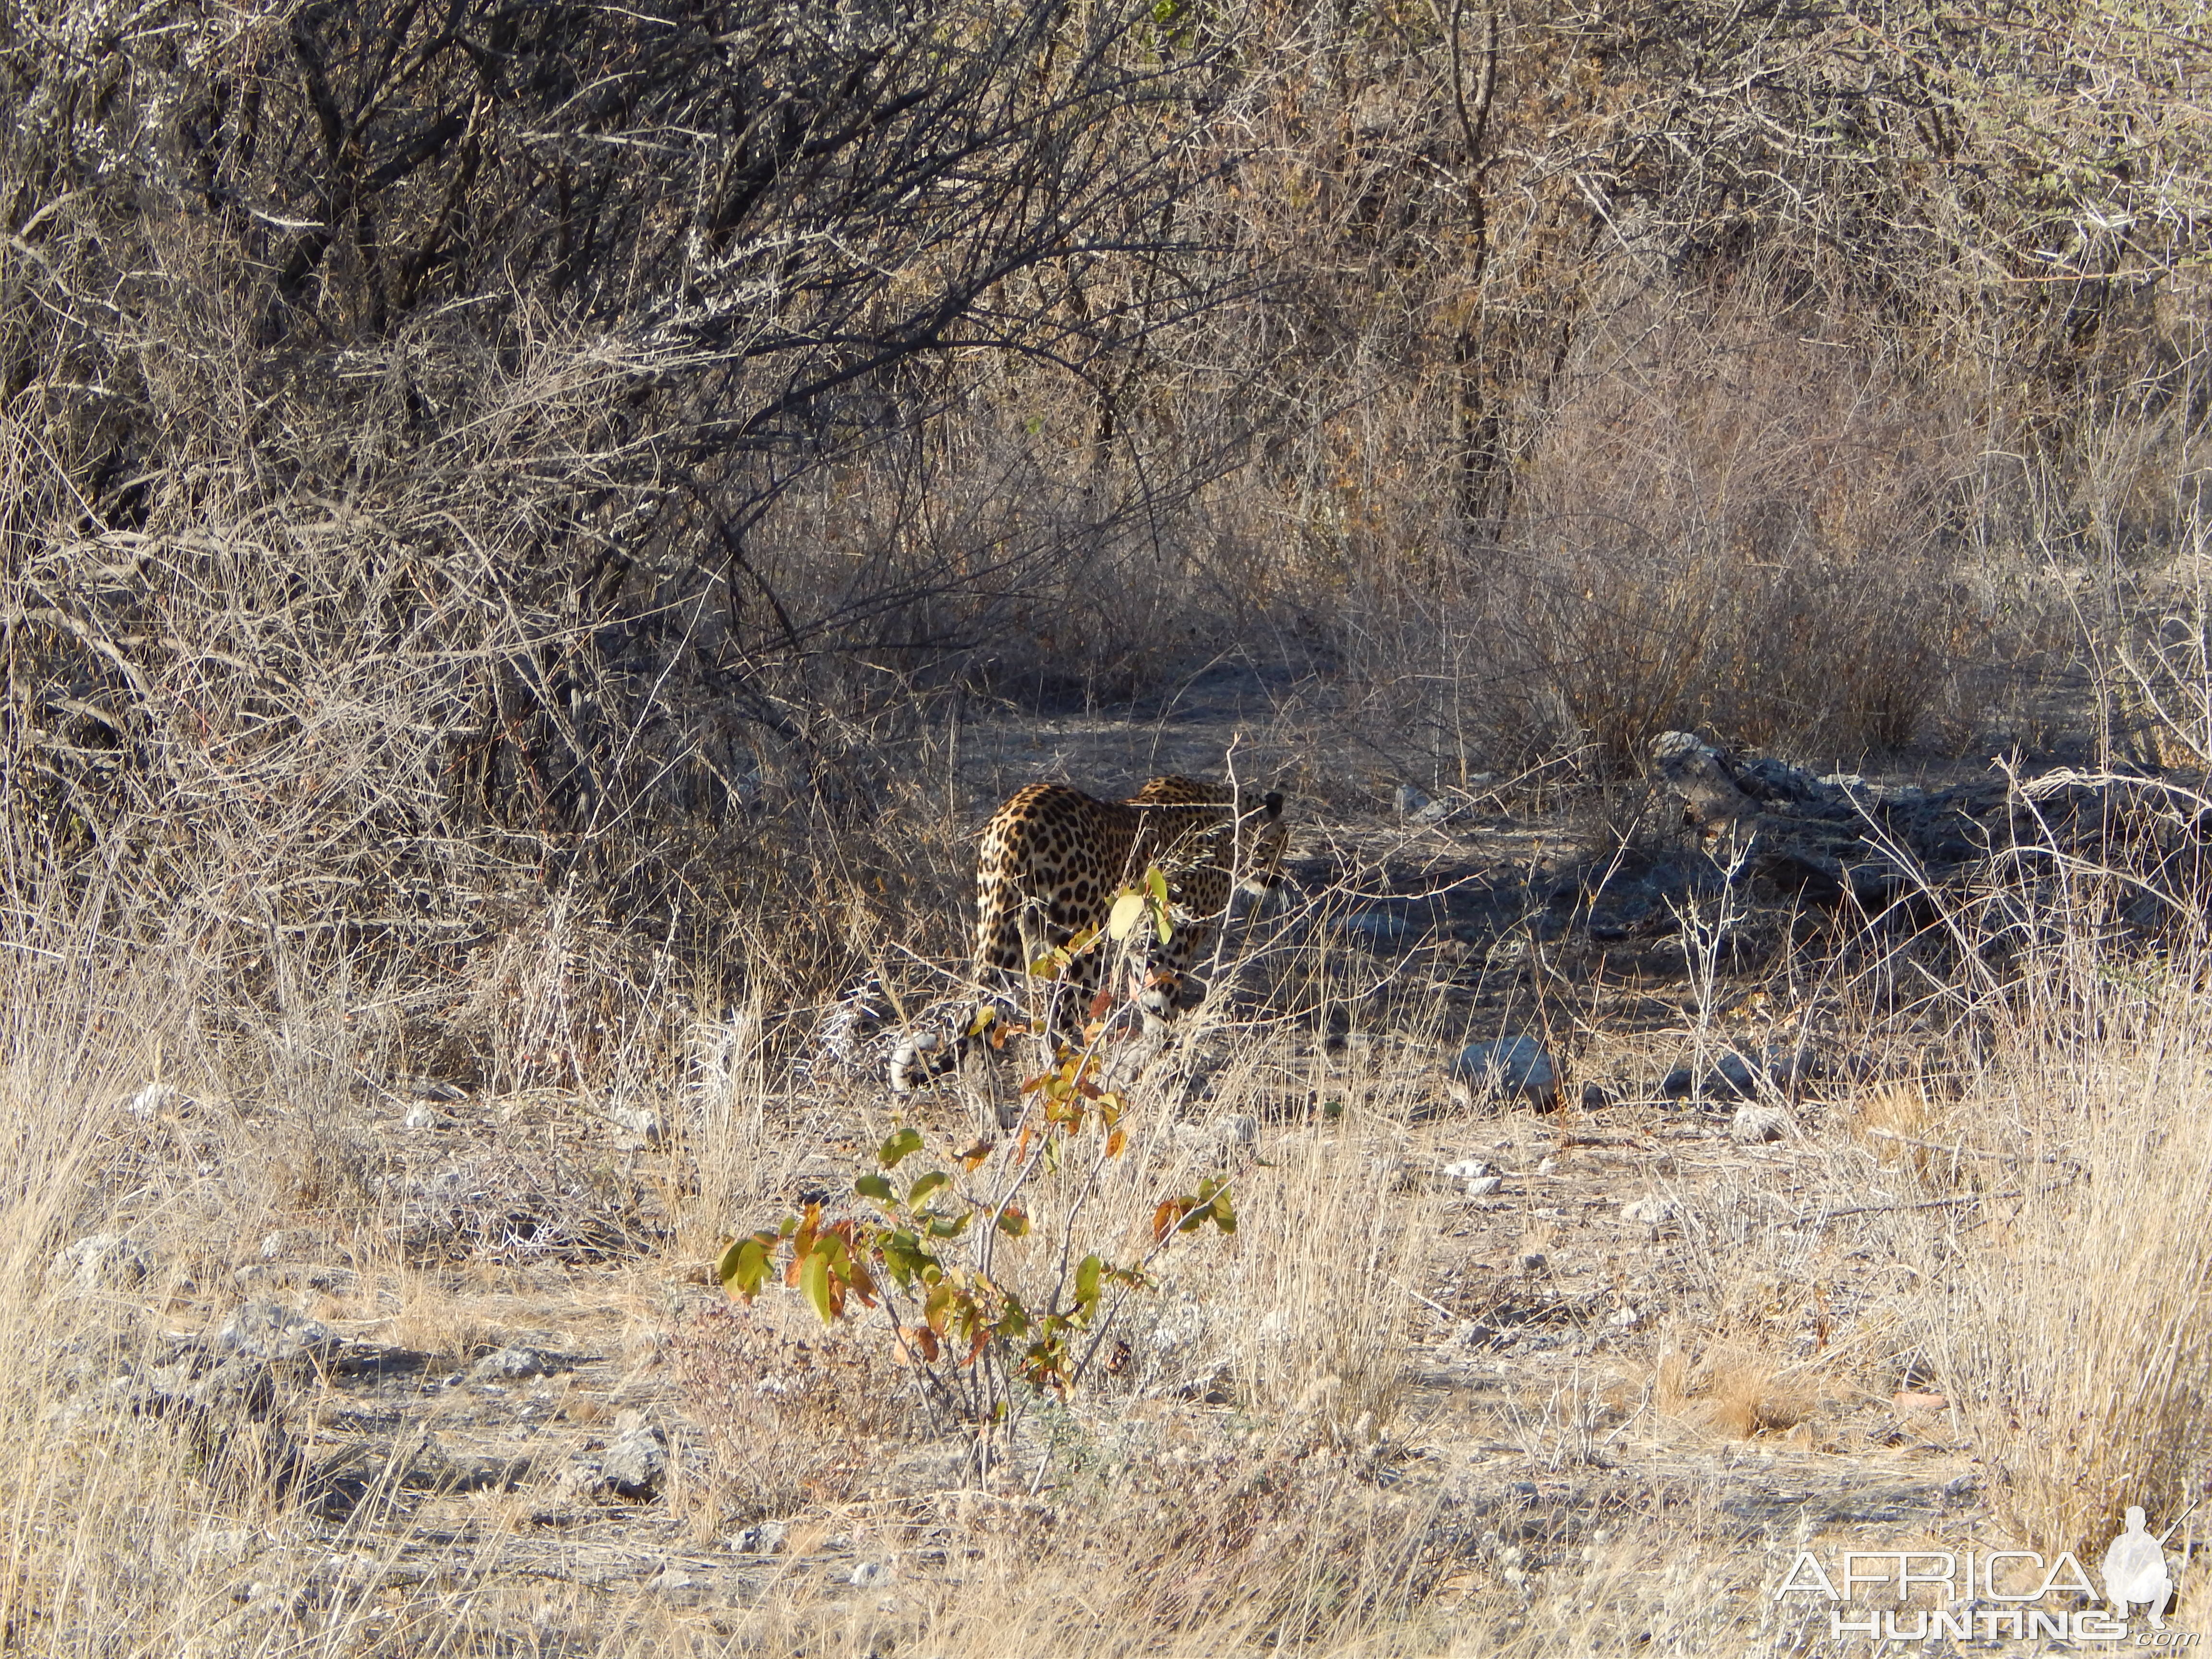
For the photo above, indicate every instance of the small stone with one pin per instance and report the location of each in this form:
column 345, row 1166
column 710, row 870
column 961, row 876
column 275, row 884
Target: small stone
column 634, row 1465
column 1733, row 1074
column 1754, row 1122
column 103, row 1261
column 156, row 1098
column 1733, row 1077
column 1378, row 926
column 1906, row 1399
column 1466, row 1169
column 1788, row 1067
column 269, row 1330
column 1624, row 1319
column 1513, row 1068
column 1596, row 1097
column 1409, row 801
column 1650, row 1211
column 1547, row 1166
column 422, row 1115
column 870, row 1572
column 1532, row 1260
column 1237, row 1129
column 1484, row 1186
column 512, row 1364
column 641, row 1120
column 765, row 1539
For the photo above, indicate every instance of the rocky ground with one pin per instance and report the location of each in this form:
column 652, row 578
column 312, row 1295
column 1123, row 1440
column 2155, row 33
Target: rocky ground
column 1657, row 1133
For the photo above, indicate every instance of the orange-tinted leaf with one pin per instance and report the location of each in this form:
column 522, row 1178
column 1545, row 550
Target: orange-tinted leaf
column 973, row 1156
column 1116, row 1142
column 862, row 1281
column 1101, row 1003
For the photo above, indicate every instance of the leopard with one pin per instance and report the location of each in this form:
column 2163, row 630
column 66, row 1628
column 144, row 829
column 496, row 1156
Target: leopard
column 1051, row 862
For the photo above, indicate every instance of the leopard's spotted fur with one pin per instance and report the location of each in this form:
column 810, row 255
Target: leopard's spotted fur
column 1053, row 858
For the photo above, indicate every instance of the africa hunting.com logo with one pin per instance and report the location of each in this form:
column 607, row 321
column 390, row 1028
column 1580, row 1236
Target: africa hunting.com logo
column 1997, row 1594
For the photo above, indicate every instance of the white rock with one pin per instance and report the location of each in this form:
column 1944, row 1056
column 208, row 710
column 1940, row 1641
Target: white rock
column 1625, row 1319
column 1754, row 1122
column 271, row 1331
column 1650, row 1211
column 1378, row 927
column 103, row 1261
column 1484, row 1186
column 1466, row 1169
column 639, row 1120
column 1237, row 1129
column 514, row 1364
column 632, row 1465
column 1512, row 1068
column 156, row 1098
column 422, row 1116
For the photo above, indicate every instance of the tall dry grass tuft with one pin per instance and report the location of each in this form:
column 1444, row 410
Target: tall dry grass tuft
column 2075, row 1326
column 2073, row 1333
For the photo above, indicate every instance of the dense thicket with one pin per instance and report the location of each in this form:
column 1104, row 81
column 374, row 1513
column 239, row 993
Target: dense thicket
column 463, row 459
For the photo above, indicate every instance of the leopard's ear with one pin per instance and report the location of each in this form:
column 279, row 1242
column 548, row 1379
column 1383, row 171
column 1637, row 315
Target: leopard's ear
column 1273, row 803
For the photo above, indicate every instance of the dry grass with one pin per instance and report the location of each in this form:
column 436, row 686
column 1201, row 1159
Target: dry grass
column 503, row 557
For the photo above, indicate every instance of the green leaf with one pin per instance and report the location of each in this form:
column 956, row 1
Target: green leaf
column 1013, row 1224
column 907, row 1141
column 814, row 1282
column 924, row 1185
column 948, row 1226
column 743, row 1269
column 1086, row 1280
column 875, row 1187
column 1121, row 920
column 1223, row 1216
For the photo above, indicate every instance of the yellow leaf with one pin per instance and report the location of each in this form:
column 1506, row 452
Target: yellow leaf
column 1128, row 910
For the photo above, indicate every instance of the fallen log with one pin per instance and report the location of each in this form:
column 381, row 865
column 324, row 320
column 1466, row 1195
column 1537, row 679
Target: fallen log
column 1827, row 838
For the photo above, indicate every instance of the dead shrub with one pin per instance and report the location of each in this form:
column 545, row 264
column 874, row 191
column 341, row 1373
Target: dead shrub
column 794, row 1414
column 1732, row 1390
column 1725, row 525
